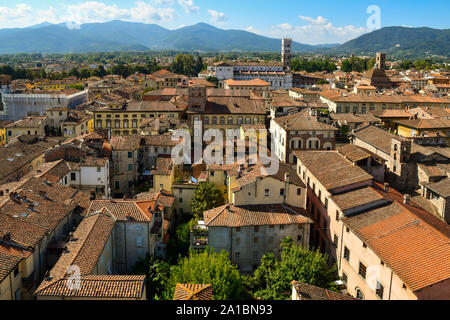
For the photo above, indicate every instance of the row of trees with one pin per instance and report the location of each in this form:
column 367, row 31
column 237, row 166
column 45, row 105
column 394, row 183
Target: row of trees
column 423, row 64
column 313, row 65
column 187, row 64
column 271, row 281
column 357, row 64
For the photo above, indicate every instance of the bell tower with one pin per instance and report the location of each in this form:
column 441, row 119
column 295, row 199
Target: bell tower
column 286, row 56
column 381, row 61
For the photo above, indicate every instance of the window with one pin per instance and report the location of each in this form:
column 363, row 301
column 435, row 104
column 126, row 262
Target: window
column 299, row 238
column 73, row 176
column 380, row 290
column 99, row 169
column 281, row 192
column 206, row 120
column 16, row 271
column 299, row 191
column 346, row 254
column 130, row 167
column 362, row 270
column 130, row 155
column 238, row 229
column 237, row 254
column 359, row 294
column 336, row 241
column 116, row 185
column 281, row 226
column 212, row 173
column 256, row 228
column 326, row 203
column 255, row 240
column 347, row 229
column 266, row 192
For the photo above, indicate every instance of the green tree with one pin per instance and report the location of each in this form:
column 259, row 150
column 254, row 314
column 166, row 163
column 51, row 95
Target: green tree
column 178, row 245
column 208, row 267
column 99, row 72
column 77, row 86
column 157, row 272
column 206, row 197
column 213, row 80
column 272, row 279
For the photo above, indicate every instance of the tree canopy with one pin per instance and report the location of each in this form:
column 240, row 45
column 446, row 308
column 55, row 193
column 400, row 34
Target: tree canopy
column 208, row 267
column 206, row 197
column 272, row 279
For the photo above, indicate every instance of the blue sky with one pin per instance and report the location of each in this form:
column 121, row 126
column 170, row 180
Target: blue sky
column 312, row 22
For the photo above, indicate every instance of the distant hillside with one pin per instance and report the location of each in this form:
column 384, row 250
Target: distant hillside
column 121, row 36
column 400, row 41
column 126, row 36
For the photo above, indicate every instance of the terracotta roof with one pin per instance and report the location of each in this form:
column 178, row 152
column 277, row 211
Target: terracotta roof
column 302, row 121
column 425, row 123
column 125, row 143
column 164, row 166
column 354, row 118
column 236, row 105
column 376, row 137
column 124, row 209
column 232, row 216
column 331, row 168
column 159, row 140
column 99, row 286
column 7, row 264
column 353, row 152
column 90, row 239
column 406, row 239
column 357, row 198
column 193, row 292
column 309, row 292
column 441, row 187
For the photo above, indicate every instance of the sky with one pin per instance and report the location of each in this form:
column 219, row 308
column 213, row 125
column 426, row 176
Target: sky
column 310, row 22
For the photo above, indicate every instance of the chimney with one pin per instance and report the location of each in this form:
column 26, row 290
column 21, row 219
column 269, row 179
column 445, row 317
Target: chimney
column 406, row 199
column 7, row 237
column 386, row 187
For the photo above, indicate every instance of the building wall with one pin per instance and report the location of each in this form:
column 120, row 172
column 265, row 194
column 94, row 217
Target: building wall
column 249, row 249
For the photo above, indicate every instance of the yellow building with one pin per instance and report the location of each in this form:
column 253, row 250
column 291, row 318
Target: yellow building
column 58, row 85
column 31, row 126
column 419, row 127
column 163, row 174
column 127, row 119
column 3, row 132
column 76, row 124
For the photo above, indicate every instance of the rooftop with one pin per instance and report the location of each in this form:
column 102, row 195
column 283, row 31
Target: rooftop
column 232, row 216
column 331, row 168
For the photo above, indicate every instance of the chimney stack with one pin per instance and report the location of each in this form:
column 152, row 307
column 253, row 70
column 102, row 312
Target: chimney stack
column 406, row 199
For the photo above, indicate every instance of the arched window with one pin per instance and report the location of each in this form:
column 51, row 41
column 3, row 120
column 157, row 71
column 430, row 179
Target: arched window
column 222, row 120
column 206, row 120
column 299, row 144
column 359, row 294
column 248, row 120
column 240, row 120
column 214, row 120
column 230, row 120
column 255, row 120
column 292, row 144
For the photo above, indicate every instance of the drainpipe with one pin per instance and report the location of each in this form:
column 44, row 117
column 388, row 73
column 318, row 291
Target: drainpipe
column 342, row 246
column 390, row 285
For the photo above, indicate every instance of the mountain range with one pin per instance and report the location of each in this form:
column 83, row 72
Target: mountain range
column 129, row 36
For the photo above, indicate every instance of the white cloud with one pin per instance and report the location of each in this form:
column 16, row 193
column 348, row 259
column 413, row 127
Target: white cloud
column 188, row 6
column 23, row 15
column 317, row 31
column 218, row 18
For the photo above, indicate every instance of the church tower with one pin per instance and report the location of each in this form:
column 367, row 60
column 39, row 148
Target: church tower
column 286, row 56
column 381, row 61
